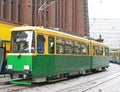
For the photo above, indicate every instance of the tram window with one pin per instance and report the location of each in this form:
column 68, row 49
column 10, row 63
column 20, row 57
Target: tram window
column 101, row 51
column 106, row 51
column 119, row 56
column 98, row 50
column 60, row 46
column 51, row 45
column 83, row 49
column 22, row 41
column 76, row 48
column 40, row 44
column 95, row 50
column 69, row 47
column 87, row 49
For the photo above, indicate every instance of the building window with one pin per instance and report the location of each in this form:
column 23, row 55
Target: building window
column 12, row 10
column 20, row 10
column 4, row 9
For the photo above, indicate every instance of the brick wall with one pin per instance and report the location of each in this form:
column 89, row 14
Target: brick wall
column 71, row 15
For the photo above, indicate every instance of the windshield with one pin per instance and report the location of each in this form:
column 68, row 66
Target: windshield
column 22, row 42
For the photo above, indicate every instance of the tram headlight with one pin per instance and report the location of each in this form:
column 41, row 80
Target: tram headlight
column 10, row 66
column 26, row 67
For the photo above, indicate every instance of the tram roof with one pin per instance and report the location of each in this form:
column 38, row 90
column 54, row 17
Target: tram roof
column 99, row 43
column 57, row 33
column 50, row 32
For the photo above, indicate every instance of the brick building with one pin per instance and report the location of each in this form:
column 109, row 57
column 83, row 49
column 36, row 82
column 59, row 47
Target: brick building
column 71, row 15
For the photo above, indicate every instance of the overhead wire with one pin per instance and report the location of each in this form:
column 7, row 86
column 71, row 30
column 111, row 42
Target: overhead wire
column 44, row 5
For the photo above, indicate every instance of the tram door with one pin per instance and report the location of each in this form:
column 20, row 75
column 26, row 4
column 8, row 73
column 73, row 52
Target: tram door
column 2, row 59
column 2, row 56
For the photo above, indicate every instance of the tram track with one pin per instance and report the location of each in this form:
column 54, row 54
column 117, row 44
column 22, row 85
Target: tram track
column 88, row 85
column 13, row 88
column 89, row 88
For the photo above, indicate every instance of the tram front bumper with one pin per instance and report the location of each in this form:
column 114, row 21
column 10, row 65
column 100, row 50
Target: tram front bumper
column 20, row 74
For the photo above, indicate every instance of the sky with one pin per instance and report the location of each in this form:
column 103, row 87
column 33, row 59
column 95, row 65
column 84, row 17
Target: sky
column 104, row 8
column 110, row 11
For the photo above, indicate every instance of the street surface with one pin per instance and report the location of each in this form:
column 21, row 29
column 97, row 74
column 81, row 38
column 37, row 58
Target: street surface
column 105, row 81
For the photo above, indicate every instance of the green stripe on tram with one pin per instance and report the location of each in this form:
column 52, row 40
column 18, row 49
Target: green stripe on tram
column 21, row 82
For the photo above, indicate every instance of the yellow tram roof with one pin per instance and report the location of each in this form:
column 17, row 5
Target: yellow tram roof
column 95, row 43
column 51, row 32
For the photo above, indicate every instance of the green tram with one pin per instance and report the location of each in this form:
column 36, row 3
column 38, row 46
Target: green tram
column 38, row 54
column 115, row 56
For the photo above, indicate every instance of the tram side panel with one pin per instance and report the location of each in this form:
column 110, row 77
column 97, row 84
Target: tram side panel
column 72, row 63
column 49, row 65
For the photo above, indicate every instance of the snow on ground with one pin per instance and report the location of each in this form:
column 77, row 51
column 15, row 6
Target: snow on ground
column 88, row 83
